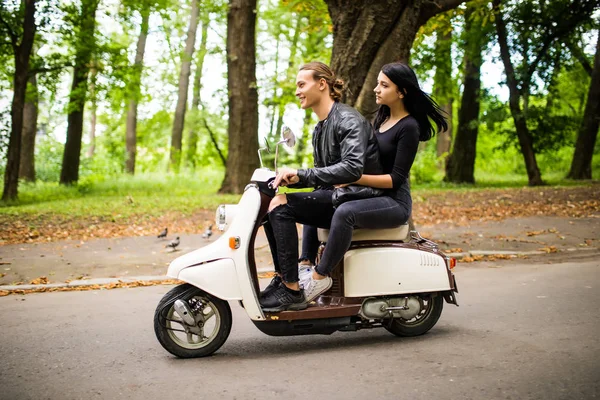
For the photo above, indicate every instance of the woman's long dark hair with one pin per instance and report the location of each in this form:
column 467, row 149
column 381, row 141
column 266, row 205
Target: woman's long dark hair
column 417, row 103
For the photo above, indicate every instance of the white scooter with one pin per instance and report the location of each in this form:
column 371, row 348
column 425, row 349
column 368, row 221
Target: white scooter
column 389, row 278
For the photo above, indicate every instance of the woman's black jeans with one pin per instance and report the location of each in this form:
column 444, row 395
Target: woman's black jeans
column 316, row 209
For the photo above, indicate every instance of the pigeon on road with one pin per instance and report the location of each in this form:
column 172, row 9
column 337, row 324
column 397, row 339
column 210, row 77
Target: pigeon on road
column 163, row 234
column 174, row 243
column 207, row 233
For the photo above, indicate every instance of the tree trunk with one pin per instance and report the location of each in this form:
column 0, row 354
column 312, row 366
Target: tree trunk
column 581, row 167
column 460, row 167
column 243, row 95
column 443, row 83
column 276, row 104
column 135, row 90
column 85, row 48
column 369, row 34
column 22, row 52
column 580, row 56
column 525, row 140
column 184, row 83
column 272, row 115
column 93, row 109
column 30, row 116
column 192, row 147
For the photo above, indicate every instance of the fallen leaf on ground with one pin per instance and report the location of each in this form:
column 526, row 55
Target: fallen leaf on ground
column 533, row 233
column 470, row 259
column 549, row 249
column 491, row 257
column 42, row 280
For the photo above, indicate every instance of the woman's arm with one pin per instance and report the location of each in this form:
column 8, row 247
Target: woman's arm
column 376, row 181
column 406, row 150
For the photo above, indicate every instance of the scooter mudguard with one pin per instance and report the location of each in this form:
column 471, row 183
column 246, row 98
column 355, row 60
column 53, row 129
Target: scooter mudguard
column 392, row 270
column 218, row 277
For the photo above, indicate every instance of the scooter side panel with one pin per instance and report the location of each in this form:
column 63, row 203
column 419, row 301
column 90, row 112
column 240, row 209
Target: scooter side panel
column 388, row 271
column 218, row 278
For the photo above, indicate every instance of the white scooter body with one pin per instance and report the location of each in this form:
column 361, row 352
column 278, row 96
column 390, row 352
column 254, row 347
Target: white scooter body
column 224, row 270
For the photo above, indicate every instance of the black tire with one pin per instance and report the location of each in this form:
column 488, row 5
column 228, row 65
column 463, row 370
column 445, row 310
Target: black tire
column 423, row 322
column 169, row 328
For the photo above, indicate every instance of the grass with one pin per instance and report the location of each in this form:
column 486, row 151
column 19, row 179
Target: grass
column 123, row 196
column 150, row 195
column 485, row 181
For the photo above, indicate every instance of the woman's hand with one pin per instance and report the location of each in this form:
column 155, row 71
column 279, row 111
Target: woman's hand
column 341, row 185
column 286, row 176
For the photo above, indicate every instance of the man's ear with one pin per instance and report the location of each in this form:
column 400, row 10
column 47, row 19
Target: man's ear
column 322, row 83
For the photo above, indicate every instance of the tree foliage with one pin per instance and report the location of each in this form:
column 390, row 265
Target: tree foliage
column 550, row 45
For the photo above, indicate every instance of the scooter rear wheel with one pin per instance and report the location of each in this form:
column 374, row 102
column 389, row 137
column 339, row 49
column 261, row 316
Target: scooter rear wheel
column 212, row 323
column 428, row 316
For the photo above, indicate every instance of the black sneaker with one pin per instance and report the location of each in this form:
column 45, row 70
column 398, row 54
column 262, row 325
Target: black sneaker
column 275, row 283
column 282, row 299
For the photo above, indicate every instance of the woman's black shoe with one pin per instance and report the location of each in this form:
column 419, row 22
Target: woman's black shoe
column 275, row 283
column 282, row 299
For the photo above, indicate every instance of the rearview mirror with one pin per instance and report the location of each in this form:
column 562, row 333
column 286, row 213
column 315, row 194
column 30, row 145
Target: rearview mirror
column 288, row 136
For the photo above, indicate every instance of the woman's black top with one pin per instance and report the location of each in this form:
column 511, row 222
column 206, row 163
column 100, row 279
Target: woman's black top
column 397, row 150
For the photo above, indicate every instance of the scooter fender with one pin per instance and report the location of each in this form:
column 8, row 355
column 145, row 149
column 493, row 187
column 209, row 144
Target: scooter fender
column 218, row 277
column 219, row 249
column 210, row 269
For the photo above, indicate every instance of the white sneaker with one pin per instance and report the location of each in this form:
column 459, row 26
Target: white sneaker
column 304, row 275
column 315, row 288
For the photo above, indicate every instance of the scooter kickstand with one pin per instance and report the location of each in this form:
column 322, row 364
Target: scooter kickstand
column 391, row 318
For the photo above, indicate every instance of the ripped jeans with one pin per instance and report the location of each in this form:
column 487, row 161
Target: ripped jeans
column 316, row 210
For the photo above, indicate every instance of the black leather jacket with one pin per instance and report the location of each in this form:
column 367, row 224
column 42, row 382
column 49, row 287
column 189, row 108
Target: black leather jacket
column 345, row 149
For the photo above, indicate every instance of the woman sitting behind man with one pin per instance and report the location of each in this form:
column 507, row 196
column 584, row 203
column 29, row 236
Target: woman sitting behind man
column 402, row 120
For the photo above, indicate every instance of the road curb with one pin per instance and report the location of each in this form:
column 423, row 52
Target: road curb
column 514, row 253
column 86, row 282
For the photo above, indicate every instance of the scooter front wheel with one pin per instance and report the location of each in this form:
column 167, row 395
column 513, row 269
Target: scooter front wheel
column 431, row 309
column 206, row 334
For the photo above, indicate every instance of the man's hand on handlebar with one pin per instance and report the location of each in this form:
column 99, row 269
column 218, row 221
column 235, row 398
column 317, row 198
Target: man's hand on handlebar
column 285, row 176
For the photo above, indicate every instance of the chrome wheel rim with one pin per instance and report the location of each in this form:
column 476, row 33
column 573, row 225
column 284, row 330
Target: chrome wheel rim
column 426, row 309
column 208, row 323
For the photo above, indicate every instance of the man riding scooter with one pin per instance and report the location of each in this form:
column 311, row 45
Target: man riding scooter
column 344, row 149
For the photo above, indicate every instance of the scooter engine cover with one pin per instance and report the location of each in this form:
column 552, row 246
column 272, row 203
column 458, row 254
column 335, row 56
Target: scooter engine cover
column 380, row 271
column 374, row 308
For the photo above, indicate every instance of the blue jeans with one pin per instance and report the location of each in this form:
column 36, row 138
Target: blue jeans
column 316, row 210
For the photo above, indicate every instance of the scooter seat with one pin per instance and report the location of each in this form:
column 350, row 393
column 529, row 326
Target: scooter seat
column 364, row 235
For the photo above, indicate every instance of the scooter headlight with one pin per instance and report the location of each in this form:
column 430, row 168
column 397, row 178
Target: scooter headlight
column 221, row 218
column 224, row 216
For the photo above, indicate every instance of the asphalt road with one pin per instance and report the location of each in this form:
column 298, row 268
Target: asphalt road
column 522, row 331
